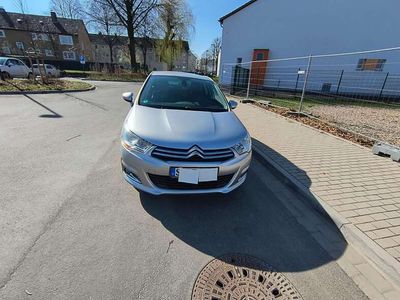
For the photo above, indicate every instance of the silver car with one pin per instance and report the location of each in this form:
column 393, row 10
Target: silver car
column 181, row 137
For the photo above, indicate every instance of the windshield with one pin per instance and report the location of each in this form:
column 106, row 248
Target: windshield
column 2, row 61
column 178, row 92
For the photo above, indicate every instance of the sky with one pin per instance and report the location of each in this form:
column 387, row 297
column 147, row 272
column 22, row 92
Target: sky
column 206, row 13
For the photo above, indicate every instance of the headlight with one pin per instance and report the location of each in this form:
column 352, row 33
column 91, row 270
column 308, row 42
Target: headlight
column 244, row 146
column 134, row 143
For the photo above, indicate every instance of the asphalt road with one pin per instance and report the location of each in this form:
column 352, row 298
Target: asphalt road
column 71, row 228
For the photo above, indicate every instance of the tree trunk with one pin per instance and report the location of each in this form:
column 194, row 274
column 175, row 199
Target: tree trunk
column 132, row 52
column 145, row 59
column 110, row 45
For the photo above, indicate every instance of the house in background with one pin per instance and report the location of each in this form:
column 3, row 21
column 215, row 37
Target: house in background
column 61, row 42
column 58, row 41
column 263, row 30
column 145, row 47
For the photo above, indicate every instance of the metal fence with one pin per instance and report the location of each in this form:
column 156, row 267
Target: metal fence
column 357, row 91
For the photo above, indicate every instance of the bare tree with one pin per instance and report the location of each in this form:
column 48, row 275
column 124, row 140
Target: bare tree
column 176, row 23
column 147, row 31
column 215, row 49
column 33, row 50
column 70, row 9
column 205, row 59
column 131, row 14
column 21, row 6
column 102, row 18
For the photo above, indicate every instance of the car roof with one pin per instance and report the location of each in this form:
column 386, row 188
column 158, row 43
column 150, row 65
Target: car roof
column 5, row 57
column 180, row 74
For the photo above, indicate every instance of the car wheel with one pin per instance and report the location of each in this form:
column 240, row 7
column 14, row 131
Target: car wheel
column 5, row 76
column 30, row 76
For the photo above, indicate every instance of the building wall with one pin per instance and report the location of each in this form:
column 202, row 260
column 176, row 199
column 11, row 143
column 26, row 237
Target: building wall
column 101, row 54
column 14, row 36
column 299, row 28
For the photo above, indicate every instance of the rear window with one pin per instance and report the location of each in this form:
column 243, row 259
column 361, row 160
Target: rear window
column 184, row 93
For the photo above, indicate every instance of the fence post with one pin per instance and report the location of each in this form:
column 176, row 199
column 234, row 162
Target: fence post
column 305, row 83
column 383, row 86
column 249, row 81
column 340, row 82
column 297, row 81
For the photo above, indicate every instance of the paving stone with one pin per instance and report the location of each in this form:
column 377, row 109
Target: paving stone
column 394, row 222
column 392, row 295
column 375, row 278
column 395, row 229
column 382, row 233
column 381, row 224
column 361, row 187
column 367, row 287
column 387, row 242
column 366, row 227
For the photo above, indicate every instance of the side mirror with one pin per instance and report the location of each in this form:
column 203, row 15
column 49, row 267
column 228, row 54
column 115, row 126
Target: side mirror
column 128, row 97
column 232, row 104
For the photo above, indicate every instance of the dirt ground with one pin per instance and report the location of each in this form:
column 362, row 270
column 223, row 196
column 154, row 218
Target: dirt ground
column 379, row 123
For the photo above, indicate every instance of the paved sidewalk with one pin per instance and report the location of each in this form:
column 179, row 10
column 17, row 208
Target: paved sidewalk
column 355, row 186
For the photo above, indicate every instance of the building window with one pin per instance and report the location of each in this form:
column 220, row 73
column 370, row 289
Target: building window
column 44, row 37
column 369, row 64
column 48, row 52
column 260, row 56
column 20, row 45
column 66, row 40
column 2, row 34
column 69, row 55
column 6, row 50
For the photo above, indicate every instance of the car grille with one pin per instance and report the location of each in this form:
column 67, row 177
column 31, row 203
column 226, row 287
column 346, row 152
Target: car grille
column 193, row 154
column 170, row 183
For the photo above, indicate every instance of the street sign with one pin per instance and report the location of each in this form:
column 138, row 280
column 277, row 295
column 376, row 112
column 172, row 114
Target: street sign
column 82, row 59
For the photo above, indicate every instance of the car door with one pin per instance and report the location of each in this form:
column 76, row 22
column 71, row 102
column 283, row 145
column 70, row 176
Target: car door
column 23, row 70
column 49, row 71
column 11, row 68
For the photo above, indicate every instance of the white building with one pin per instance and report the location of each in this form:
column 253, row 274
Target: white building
column 275, row 29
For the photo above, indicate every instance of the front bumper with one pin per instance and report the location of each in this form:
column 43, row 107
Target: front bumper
column 137, row 169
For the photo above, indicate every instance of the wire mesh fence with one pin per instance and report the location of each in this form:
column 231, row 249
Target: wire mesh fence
column 358, row 91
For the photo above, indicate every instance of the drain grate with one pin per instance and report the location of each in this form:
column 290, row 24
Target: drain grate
column 241, row 277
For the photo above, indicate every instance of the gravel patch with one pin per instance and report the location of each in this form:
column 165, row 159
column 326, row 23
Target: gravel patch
column 379, row 123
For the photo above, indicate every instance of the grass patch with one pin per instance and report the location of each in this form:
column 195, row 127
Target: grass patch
column 25, row 85
column 128, row 77
column 294, row 103
column 95, row 75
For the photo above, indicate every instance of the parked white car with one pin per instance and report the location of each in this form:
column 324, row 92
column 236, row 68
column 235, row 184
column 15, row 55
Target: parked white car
column 50, row 70
column 14, row 68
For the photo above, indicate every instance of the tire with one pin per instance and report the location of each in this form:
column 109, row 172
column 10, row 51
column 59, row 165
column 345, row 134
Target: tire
column 30, row 76
column 5, row 76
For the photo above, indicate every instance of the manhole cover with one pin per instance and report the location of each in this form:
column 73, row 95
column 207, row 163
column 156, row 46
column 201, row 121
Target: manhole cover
column 241, row 277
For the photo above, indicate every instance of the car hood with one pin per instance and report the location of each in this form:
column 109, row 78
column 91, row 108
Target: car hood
column 184, row 128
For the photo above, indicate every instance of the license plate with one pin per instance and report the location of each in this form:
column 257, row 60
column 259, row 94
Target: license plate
column 194, row 175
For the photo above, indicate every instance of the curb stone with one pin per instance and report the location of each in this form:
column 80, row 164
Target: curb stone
column 93, row 87
column 385, row 263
